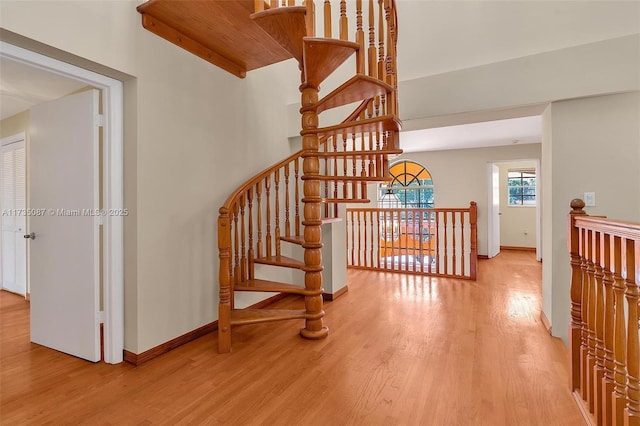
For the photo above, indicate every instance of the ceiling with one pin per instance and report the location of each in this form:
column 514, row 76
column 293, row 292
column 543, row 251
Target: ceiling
column 23, row 86
column 435, row 37
column 523, row 130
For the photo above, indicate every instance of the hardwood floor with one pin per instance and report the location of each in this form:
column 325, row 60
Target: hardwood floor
column 402, row 350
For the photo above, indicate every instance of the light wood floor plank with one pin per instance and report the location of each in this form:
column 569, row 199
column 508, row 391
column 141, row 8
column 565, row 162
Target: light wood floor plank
column 402, row 350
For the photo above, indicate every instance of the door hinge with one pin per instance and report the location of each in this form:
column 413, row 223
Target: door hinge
column 100, row 120
column 100, row 317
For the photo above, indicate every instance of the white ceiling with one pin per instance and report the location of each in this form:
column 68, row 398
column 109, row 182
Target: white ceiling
column 23, row 86
column 434, row 37
column 521, row 130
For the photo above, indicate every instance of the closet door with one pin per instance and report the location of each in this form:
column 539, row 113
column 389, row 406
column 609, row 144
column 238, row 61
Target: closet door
column 14, row 216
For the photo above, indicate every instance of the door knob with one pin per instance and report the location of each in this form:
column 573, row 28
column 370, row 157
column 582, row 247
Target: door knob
column 31, row 235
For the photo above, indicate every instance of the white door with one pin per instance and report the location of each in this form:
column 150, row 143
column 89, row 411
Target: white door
column 494, row 213
column 64, row 255
column 13, row 220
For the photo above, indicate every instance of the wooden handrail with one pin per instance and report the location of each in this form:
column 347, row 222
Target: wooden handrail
column 604, row 328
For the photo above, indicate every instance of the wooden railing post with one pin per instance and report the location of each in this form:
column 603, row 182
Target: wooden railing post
column 224, row 305
column 473, row 222
column 575, row 327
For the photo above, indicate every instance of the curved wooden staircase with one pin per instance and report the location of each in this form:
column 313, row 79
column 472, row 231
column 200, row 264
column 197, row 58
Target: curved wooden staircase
column 335, row 163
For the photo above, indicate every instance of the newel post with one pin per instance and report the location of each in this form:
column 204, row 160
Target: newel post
column 473, row 221
column 224, row 305
column 575, row 327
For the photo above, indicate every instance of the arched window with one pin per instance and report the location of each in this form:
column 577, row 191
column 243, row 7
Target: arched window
column 411, row 187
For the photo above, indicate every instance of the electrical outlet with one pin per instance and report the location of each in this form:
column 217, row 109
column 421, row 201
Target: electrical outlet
column 590, row 199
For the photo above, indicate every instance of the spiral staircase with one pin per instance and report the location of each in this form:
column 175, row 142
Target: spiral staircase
column 335, row 162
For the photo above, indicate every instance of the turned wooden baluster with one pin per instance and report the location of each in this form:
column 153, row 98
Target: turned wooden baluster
column 371, row 51
column 259, row 218
column 437, row 248
column 360, row 57
column 373, row 231
column 473, row 220
column 311, row 18
column 250, row 253
column 224, row 303
column 584, row 333
column 359, row 251
column 267, row 209
column 619, row 339
column 446, row 243
column 575, row 328
column 258, row 5
column 382, row 72
column 314, row 328
column 609, row 365
column 453, row 238
column 345, row 185
column 277, row 210
column 344, row 25
column 632, row 261
column 296, row 172
column 236, row 243
column 354, row 168
column 243, row 240
column 599, row 327
column 327, row 18
column 462, row 242
column 287, row 222
column 591, row 320
column 353, row 245
column 273, row 4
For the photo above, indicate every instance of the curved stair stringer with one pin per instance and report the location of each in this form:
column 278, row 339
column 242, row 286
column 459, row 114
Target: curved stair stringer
column 333, row 166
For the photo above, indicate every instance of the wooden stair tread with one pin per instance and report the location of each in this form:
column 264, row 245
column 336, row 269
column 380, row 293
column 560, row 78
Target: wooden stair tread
column 257, row 316
column 273, row 286
column 377, row 124
column 284, row 261
column 294, row 239
column 323, row 55
column 286, row 25
column 220, row 32
column 354, row 154
column 358, row 88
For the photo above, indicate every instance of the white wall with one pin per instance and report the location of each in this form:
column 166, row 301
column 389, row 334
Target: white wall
column 517, row 223
column 593, row 145
column 605, row 67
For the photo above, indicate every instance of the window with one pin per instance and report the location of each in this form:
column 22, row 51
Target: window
column 522, row 187
column 411, row 187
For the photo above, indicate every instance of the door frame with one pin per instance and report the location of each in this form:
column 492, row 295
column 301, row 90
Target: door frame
column 490, row 219
column 112, row 190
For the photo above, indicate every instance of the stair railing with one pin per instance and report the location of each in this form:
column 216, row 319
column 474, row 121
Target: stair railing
column 267, row 209
column 435, row 242
column 603, row 334
column 380, row 16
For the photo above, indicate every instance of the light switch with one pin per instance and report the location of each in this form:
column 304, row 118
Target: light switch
column 590, row 199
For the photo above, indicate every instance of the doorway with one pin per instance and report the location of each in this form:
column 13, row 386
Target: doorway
column 514, row 219
column 112, row 193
